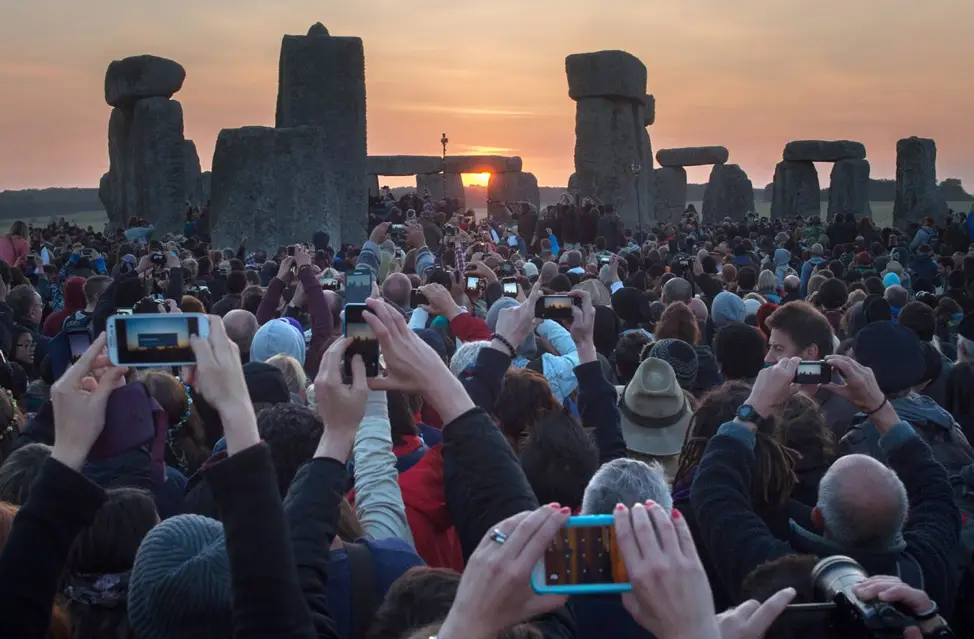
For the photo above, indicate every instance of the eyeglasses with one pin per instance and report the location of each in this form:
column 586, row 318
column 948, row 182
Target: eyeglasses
column 29, row 345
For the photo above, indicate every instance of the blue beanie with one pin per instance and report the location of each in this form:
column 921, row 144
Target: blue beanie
column 180, row 583
column 891, row 279
column 727, row 307
column 277, row 337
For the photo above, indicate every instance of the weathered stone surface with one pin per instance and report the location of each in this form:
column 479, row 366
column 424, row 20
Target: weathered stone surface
column 403, row 164
column 610, row 140
column 107, row 196
column 796, row 190
column 318, row 29
column 916, row 182
column 482, row 164
column 206, row 187
column 649, row 118
column 849, row 188
column 142, row 76
column 512, row 187
column 671, row 193
column 276, row 186
column 573, row 184
column 823, row 151
column 120, row 189
column 372, row 183
column 322, row 83
column 606, row 74
column 194, row 194
column 156, row 158
column 692, row 156
column 435, row 184
column 729, row 193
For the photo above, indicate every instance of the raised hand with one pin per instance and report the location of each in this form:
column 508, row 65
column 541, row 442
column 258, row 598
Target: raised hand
column 415, row 236
column 301, row 256
column 516, row 323
column 774, row 386
column 79, row 399
column 380, row 233
column 284, row 270
column 583, row 326
column 341, row 406
column 752, row 619
column 670, row 596
column 495, row 592
column 218, row 377
column 441, row 302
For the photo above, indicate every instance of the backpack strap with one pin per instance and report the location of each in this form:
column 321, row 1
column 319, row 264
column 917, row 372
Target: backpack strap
column 362, row 579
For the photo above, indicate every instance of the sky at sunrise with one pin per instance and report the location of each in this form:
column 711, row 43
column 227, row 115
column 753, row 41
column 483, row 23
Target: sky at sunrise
column 750, row 75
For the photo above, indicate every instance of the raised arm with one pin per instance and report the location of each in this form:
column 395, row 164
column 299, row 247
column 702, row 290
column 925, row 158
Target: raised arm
column 62, row 502
column 464, row 326
column 267, row 596
column 272, row 296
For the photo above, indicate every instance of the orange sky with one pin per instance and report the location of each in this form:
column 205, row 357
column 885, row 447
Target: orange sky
column 749, row 75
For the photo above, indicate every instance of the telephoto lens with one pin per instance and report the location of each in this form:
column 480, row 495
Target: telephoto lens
column 834, row 578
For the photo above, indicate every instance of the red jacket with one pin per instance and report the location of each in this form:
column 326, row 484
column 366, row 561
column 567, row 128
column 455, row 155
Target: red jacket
column 422, row 492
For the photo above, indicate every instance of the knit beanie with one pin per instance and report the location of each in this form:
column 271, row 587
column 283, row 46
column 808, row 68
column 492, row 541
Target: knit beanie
column 277, row 337
column 894, row 354
column 682, row 357
column 751, row 306
column 891, row 279
column 726, row 308
column 180, row 583
column 529, row 347
column 631, row 305
column 265, row 383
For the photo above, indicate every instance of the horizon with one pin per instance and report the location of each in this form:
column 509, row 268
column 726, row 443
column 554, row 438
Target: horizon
column 749, row 76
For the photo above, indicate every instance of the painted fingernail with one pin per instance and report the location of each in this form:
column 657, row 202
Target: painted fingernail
column 554, row 505
column 566, row 510
column 620, row 507
column 650, row 503
column 676, row 514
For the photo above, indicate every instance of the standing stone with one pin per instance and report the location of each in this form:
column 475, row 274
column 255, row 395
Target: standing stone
column 512, row 187
column 275, row 186
column 916, row 182
column 573, row 184
column 107, row 196
column 849, row 188
column 194, row 195
column 609, row 139
column 372, row 183
column 606, row 74
column 649, row 118
column 157, row 163
column 142, row 76
column 692, row 156
column 322, row 84
column 671, row 193
column 796, row 190
column 206, row 182
column 823, row 151
column 729, row 193
column 435, row 184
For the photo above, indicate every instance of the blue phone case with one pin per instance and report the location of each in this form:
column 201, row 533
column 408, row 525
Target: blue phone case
column 538, row 577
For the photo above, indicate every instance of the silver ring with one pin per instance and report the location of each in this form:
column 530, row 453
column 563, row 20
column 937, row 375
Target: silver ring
column 498, row 536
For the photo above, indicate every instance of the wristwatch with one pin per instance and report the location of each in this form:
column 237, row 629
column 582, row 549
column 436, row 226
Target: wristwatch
column 747, row 413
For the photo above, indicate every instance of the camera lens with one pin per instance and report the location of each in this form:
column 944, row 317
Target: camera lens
column 836, row 574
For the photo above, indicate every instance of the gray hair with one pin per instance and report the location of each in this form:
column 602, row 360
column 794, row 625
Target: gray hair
column 626, row 481
column 792, row 283
column 19, row 471
column 767, row 281
column 842, row 507
column 466, row 356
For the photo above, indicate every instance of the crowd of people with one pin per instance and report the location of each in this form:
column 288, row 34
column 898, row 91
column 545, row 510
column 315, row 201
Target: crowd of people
column 275, row 495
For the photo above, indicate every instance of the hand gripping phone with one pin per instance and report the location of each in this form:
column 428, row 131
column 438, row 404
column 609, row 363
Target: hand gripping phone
column 584, row 558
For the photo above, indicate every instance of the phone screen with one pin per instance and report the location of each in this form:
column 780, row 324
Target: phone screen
column 813, row 373
column 358, row 286
column 290, row 250
column 416, row 298
column 330, row 284
column 79, row 343
column 554, row 307
column 584, row 555
column 157, row 339
column 510, row 289
column 473, row 283
column 363, row 343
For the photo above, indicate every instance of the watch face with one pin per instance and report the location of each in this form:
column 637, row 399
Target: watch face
column 746, row 413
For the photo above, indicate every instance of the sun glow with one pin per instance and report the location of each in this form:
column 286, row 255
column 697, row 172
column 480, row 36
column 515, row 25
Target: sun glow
column 475, row 179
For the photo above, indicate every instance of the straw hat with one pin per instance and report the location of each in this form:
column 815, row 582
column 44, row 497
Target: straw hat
column 655, row 412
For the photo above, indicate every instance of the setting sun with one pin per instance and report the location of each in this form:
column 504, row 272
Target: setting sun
column 475, row 179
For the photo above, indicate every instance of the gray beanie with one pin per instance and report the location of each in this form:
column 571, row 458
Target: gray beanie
column 180, row 583
column 681, row 356
column 727, row 307
column 528, row 348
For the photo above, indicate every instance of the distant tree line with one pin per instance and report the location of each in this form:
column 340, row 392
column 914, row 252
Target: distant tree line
column 48, row 202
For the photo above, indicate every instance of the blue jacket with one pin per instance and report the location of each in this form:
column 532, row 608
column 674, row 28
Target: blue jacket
column 924, row 266
column 807, row 268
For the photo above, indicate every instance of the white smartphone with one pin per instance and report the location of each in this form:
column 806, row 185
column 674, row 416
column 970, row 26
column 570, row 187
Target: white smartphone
column 154, row 339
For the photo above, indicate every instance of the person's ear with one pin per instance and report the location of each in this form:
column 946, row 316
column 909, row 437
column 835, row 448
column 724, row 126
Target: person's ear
column 810, row 354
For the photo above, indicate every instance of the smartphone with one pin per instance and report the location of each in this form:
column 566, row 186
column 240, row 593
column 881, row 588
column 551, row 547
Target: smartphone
column 813, row 373
column 154, row 339
column 605, row 260
column 290, row 251
column 123, row 311
column 510, row 287
column 78, row 342
column 474, row 284
column 358, row 286
column 416, row 298
column 398, row 229
column 556, row 306
column 506, row 269
column 584, row 558
column 330, row 284
column 363, row 343
column 158, row 259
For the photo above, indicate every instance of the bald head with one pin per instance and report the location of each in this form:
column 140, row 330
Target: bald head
column 862, row 502
column 241, row 326
column 677, row 290
column 396, row 288
column 792, row 283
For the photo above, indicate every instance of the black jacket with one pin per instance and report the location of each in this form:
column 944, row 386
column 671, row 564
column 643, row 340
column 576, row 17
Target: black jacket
column 739, row 541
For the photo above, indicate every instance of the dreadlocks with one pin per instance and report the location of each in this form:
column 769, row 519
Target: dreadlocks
column 774, row 476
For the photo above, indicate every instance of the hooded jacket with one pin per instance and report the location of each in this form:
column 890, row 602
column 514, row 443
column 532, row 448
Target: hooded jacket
column 74, row 301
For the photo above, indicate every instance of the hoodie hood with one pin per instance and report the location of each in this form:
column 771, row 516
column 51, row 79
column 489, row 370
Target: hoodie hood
column 781, row 257
column 918, row 409
column 74, row 294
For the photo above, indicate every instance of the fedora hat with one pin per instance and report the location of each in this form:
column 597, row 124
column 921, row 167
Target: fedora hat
column 655, row 412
